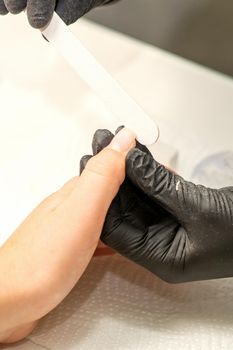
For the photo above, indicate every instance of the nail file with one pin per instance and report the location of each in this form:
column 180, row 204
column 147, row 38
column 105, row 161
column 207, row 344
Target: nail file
column 121, row 105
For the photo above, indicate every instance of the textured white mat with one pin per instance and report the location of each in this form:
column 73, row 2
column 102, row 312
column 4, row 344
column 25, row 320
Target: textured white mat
column 118, row 305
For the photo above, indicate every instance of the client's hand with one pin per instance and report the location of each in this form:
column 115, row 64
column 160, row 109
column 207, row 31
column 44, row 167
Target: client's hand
column 48, row 253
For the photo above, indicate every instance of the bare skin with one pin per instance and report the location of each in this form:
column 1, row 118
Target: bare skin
column 45, row 257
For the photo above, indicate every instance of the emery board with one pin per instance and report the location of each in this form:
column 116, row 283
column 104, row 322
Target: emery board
column 118, row 102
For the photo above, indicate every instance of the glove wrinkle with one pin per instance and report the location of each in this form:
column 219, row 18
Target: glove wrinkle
column 179, row 231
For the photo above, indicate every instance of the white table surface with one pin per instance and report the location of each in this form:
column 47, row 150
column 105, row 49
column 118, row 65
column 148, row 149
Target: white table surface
column 46, row 121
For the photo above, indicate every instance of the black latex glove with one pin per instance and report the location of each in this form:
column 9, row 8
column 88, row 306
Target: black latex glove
column 177, row 230
column 40, row 11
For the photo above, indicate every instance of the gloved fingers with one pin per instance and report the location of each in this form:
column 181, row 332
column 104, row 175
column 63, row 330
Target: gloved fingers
column 122, row 237
column 83, row 162
column 15, row 6
column 66, row 10
column 131, row 205
column 3, row 9
column 101, row 139
column 143, row 148
column 153, row 249
column 166, row 188
column 137, row 208
column 40, row 12
column 70, row 10
column 125, row 207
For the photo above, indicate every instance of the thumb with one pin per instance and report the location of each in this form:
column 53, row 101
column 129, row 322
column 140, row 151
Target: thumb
column 79, row 219
column 104, row 173
column 168, row 189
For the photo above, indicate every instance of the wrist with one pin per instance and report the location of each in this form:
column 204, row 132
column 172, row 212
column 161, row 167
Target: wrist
column 18, row 298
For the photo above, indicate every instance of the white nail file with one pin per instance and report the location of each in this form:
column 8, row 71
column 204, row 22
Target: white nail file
column 123, row 107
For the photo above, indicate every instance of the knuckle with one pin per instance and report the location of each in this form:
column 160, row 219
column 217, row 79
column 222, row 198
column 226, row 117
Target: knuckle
column 14, row 6
column 38, row 20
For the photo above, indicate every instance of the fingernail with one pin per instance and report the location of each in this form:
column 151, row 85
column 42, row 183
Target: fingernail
column 123, row 141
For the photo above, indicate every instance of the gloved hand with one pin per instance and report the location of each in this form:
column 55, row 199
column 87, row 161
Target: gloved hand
column 40, row 11
column 177, row 230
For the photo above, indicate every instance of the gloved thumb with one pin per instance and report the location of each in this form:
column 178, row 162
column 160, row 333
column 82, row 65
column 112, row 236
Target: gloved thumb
column 168, row 189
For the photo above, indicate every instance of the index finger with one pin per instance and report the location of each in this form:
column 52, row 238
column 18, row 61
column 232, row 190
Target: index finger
column 3, row 9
